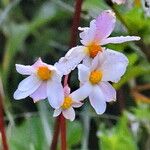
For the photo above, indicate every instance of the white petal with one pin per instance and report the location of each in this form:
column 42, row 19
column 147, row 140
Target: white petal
column 23, row 94
column 113, row 66
column 97, row 100
column 108, row 91
column 83, row 73
column 57, row 112
column 77, row 104
column 66, row 90
column 55, row 93
column 28, row 83
column 119, row 1
column 87, row 61
column 73, row 57
column 69, row 114
column 40, row 93
column 120, row 39
column 24, row 70
column 82, row 93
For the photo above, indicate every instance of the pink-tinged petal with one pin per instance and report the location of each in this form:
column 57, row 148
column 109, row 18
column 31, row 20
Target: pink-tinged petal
column 88, row 35
column 97, row 100
column 55, row 93
column 66, row 91
column 28, row 83
column 73, row 57
column 40, row 93
column 119, row 2
column 108, row 91
column 121, row 39
column 57, row 112
column 77, row 104
column 105, row 24
column 113, row 66
column 23, row 94
column 25, row 70
column 69, row 114
column 82, row 93
column 38, row 63
column 83, row 73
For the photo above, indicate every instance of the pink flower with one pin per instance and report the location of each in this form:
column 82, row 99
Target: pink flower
column 107, row 66
column 119, row 2
column 67, row 107
column 93, row 39
column 44, row 81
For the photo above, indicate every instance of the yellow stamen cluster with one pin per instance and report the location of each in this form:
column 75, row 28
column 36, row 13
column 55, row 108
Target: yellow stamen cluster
column 44, row 73
column 67, row 103
column 94, row 49
column 95, row 77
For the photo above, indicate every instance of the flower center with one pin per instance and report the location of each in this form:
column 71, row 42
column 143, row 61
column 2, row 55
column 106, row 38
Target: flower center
column 44, row 73
column 95, row 77
column 67, row 103
column 94, row 49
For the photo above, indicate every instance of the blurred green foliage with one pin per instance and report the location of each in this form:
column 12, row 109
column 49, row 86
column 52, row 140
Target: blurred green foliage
column 41, row 28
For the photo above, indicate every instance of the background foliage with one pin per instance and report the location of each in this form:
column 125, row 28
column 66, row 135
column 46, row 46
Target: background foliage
column 41, row 28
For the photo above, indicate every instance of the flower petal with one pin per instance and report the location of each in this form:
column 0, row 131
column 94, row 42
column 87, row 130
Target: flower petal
column 40, row 93
column 55, row 93
column 119, row 1
column 108, row 91
column 105, row 24
column 82, row 93
column 87, row 61
column 57, row 112
column 77, row 104
column 83, row 73
column 113, row 66
column 69, row 114
column 97, row 100
column 73, row 57
column 24, row 70
column 66, row 91
column 120, row 39
column 29, row 83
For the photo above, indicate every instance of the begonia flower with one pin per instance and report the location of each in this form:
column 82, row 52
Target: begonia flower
column 107, row 66
column 67, row 107
column 92, row 38
column 43, row 81
column 119, row 2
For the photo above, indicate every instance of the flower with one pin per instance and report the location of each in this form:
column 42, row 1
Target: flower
column 119, row 2
column 107, row 66
column 44, row 81
column 92, row 38
column 67, row 106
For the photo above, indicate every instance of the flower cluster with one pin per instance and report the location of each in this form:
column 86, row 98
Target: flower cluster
column 97, row 66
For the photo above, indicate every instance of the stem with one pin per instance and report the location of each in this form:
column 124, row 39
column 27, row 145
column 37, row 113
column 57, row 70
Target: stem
column 56, row 134
column 63, row 132
column 2, row 124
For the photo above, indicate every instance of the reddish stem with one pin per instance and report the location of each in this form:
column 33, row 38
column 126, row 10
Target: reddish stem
column 2, row 125
column 56, row 134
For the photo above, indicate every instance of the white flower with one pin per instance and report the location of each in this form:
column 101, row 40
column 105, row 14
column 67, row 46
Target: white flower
column 44, row 81
column 92, row 38
column 67, row 107
column 107, row 66
column 119, row 2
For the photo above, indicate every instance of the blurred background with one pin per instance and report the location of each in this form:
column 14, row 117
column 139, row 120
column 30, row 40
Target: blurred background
column 41, row 28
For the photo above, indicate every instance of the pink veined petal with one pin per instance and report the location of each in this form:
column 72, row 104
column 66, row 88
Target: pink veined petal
column 73, row 57
column 108, row 91
column 82, row 93
column 23, row 94
column 40, row 93
column 28, row 83
column 55, row 93
column 83, row 73
column 77, row 104
column 97, row 100
column 25, row 70
column 69, row 113
column 113, row 66
column 57, row 112
column 121, row 39
column 66, row 91
column 105, row 24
